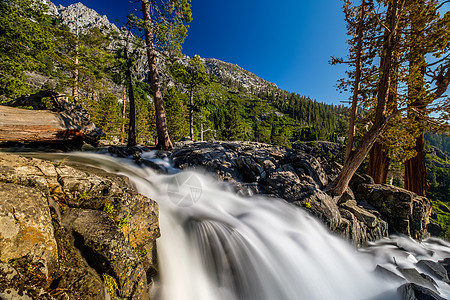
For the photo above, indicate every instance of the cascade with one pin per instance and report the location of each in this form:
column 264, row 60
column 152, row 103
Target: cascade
column 215, row 244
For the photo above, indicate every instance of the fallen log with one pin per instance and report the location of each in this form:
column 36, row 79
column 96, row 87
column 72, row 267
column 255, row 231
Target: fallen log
column 52, row 120
column 23, row 125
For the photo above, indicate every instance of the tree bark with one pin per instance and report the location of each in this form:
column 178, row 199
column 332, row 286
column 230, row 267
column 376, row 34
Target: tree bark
column 124, row 107
column 43, row 126
column 356, row 84
column 378, row 163
column 75, row 77
column 416, row 171
column 163, row 139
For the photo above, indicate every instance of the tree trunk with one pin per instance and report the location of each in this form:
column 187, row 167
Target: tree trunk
column 160, row 114
column 378, row 163
column 416, row 171
column 356, row 84
column 42, row 126
column 124, row 107
column 132, row 117
column 357, row 156
column 191, row 114
column 75, row 78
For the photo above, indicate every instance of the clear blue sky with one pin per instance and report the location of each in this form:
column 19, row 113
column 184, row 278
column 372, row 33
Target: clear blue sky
column 288, row 42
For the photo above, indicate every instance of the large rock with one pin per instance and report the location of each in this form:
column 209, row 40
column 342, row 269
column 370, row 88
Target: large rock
column 26, row 225
column 295, row 175
column 405, row 211
column 54, row 233
column 412, row 291
column 104, row 246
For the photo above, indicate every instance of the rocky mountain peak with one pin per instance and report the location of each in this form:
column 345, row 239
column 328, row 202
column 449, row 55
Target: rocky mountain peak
column 52, row 10
column 226, row 70
column 82, row 17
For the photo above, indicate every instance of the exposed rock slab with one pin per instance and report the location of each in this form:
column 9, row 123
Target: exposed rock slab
column 104, row 246
column 26, row 226
column 406, row 212
column 47, row 209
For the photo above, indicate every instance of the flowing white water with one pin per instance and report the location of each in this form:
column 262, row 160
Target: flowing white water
column 217, row 245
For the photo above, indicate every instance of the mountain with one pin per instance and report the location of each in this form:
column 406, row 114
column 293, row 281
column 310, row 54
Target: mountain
column 236, row 105
column 80, row 16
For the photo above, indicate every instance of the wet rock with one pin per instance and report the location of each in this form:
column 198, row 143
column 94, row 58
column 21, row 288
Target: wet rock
column 412, row 291
column 388, row 275
column 297, row 176
column 434, row 228
column 434, row 269
column 413, row 276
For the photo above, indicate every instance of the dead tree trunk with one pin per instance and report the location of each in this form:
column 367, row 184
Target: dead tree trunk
column 40, row 126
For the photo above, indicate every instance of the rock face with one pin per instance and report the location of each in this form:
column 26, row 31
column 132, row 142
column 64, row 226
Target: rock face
column 73, row 233
column 300, row 175
column 79, row 16
column 223, row 70
column 406, row 212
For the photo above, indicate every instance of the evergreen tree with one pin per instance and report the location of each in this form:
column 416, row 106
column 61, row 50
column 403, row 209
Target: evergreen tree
column 26, row 40
column 176, row 115
column 192, row 75
column 164, row 26
column 382, row 99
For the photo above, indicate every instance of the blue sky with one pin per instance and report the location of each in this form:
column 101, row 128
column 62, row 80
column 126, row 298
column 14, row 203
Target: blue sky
column 288, row 42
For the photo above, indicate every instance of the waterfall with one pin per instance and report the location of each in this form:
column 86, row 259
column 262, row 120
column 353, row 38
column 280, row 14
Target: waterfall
column 215, row 244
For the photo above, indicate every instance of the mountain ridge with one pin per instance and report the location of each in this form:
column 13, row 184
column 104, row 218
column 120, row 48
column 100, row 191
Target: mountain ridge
column 89, row 18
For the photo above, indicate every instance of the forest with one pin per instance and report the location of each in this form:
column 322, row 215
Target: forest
column 42, row 56
column 398, row 111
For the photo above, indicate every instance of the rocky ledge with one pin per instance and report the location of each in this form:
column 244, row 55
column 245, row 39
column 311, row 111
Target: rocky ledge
column 367, row 212
column 72, row 233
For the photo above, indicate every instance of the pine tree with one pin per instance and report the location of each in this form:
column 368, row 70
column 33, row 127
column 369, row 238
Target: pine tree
column 192, row 75
column 428, row 34
column 381, row 115
column 388, row 104
column 176, row 115
column 164, row 26
column 26, row 40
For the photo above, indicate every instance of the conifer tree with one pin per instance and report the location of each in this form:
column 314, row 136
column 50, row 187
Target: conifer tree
column 381, row 115
column 389, row 103
column 164, row 26
column 192, row 75
column 428, row 34
column 26, row 40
